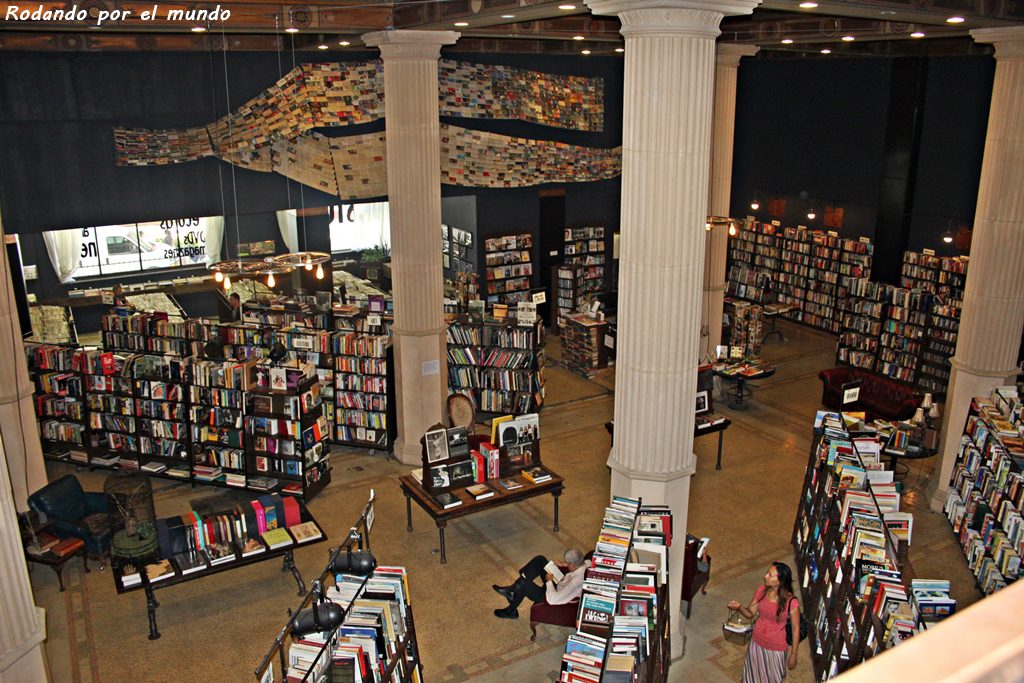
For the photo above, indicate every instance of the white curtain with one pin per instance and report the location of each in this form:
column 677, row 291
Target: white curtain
column 376, row 219
column 65, row 249
column 287, row 222
column 214, row 239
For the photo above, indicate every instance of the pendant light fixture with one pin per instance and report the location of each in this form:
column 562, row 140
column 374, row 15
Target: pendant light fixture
column 951, row 227
column 812, row 211
column 271, row 282
column 218, row 276
column 319, row 271
column 755, row 203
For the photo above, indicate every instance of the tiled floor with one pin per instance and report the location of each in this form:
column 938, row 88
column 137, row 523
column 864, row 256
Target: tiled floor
column 747, row 508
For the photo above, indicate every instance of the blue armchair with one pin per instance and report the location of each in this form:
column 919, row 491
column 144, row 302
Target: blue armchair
column 73, row 512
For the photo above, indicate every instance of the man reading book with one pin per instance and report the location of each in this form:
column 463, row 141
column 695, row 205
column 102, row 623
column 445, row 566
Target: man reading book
column 562, row 584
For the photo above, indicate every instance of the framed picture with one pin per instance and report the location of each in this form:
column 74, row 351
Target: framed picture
column 702, row 402
column 437, row 445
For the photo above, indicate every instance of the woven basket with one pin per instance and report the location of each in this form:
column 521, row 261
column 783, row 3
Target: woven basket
column 737, row 628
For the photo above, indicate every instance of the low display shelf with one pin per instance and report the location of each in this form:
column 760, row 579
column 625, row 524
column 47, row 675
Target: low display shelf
column 219, row 534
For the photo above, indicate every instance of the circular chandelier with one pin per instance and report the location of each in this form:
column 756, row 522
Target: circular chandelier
column 304, row 259
column 223, row 271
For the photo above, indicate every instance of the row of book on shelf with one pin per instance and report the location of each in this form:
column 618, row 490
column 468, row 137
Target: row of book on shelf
column 986, row 490
column 622, row 623
column 851, row 540
column 219, row 531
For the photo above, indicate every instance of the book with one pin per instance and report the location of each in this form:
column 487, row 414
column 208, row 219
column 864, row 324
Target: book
column 446, row 500
column 305, row 532
column 510, row 484
column 480, row 491
column 436, row 442
column 190, row 562
column 159, row 571
column 554, row 570
column 252, row 547
column 536, row 475
column 219, row 553
column 277, row 538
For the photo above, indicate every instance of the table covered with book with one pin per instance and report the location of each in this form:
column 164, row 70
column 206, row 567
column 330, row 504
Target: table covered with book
column 220, row 533
column 456, row 481
column 740, row 372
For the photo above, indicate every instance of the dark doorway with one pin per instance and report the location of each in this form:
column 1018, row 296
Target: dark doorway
column 552, row 230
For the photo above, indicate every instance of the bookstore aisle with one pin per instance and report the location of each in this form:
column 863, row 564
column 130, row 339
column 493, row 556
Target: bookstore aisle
column 219, row 628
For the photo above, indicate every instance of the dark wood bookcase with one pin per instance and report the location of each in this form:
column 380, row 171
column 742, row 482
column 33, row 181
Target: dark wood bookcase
column 499, row 363
column 59, row 398
column 508, row 267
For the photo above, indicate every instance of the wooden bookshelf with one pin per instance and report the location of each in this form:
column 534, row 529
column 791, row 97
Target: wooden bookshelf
column 59, row 398
column 623, row 623
column 286, row 432
column 567, row 294
column 986, row 490
column 939, row 346
column 498, row 363
column 508, row 267
column 285, row 312
column 583, row 348
column 902, row 337
column 860, row 324
column 838, row 541
column 586, row 247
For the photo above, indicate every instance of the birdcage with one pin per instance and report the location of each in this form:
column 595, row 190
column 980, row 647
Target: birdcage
column 132, row 515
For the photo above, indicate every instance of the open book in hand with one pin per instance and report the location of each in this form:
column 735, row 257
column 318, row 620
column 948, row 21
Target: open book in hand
column 556, row 573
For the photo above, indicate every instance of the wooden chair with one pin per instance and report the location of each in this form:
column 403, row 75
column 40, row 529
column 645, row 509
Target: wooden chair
column 462, row 413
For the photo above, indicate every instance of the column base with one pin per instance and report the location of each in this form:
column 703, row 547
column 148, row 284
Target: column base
column 27, row 661
column 672, row 489
column 408, row 453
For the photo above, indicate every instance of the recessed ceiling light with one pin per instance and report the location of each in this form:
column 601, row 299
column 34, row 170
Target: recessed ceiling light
column 508, row 16
column 291, row 29
column 344, row 43
column 198, row 29
column 787, row 41
column 567, row 7
column 578, row 38
column 955, row 20
column 322, row 46
column 808, row 5
column 462, row 23
column 620, row 49
column 826, row 51
column 848, row 39
column 917, row 34
column 584, row 52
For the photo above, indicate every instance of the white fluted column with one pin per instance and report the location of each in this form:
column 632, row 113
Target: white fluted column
column 716, row 242
column 414, row 195
column 667, row 101
column 22, row 624
column 993, row 311
column 17, row 414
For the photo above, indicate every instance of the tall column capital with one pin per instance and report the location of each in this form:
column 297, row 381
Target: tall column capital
column 729, row 54
column 697, row 18
column 404, row 44
column 1008, row 41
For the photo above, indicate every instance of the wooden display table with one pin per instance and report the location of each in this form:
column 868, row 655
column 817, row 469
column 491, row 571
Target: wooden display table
column 70, row 548
column 741, row 373
column 178, row 577
column 413, row 490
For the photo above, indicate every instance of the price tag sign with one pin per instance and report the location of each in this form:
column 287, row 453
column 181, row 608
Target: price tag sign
column 539, row 297
column 108, row 296
column 609, row 341
column 372, row 319
column 851, row 392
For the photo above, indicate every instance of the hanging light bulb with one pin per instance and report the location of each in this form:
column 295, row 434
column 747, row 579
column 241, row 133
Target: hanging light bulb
column 811, row 215
column 319, row 271
column 227, row 283
column 707, row 226
column 309, row 263
column 732, row 230
column 271, row 282
column 755, row 204
column 218, row 276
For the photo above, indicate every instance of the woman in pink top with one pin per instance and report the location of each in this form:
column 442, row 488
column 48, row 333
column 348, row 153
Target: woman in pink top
column 772, row 605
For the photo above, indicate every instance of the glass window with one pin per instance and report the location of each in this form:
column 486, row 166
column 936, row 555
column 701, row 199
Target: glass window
column 355, row 227
column 136, row 247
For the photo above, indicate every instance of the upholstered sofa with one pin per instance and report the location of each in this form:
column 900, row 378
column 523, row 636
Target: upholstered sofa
column 557, row 615
column 880, row 396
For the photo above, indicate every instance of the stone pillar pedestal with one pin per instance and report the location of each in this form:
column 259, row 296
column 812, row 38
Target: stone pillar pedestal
column 667, row 103
column 17, row 413
column 414, row 193
column 716, row 243
column 22, row 624
column 993, row 311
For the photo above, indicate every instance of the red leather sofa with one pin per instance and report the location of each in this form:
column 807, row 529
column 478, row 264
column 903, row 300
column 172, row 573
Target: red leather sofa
column 880, row 396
